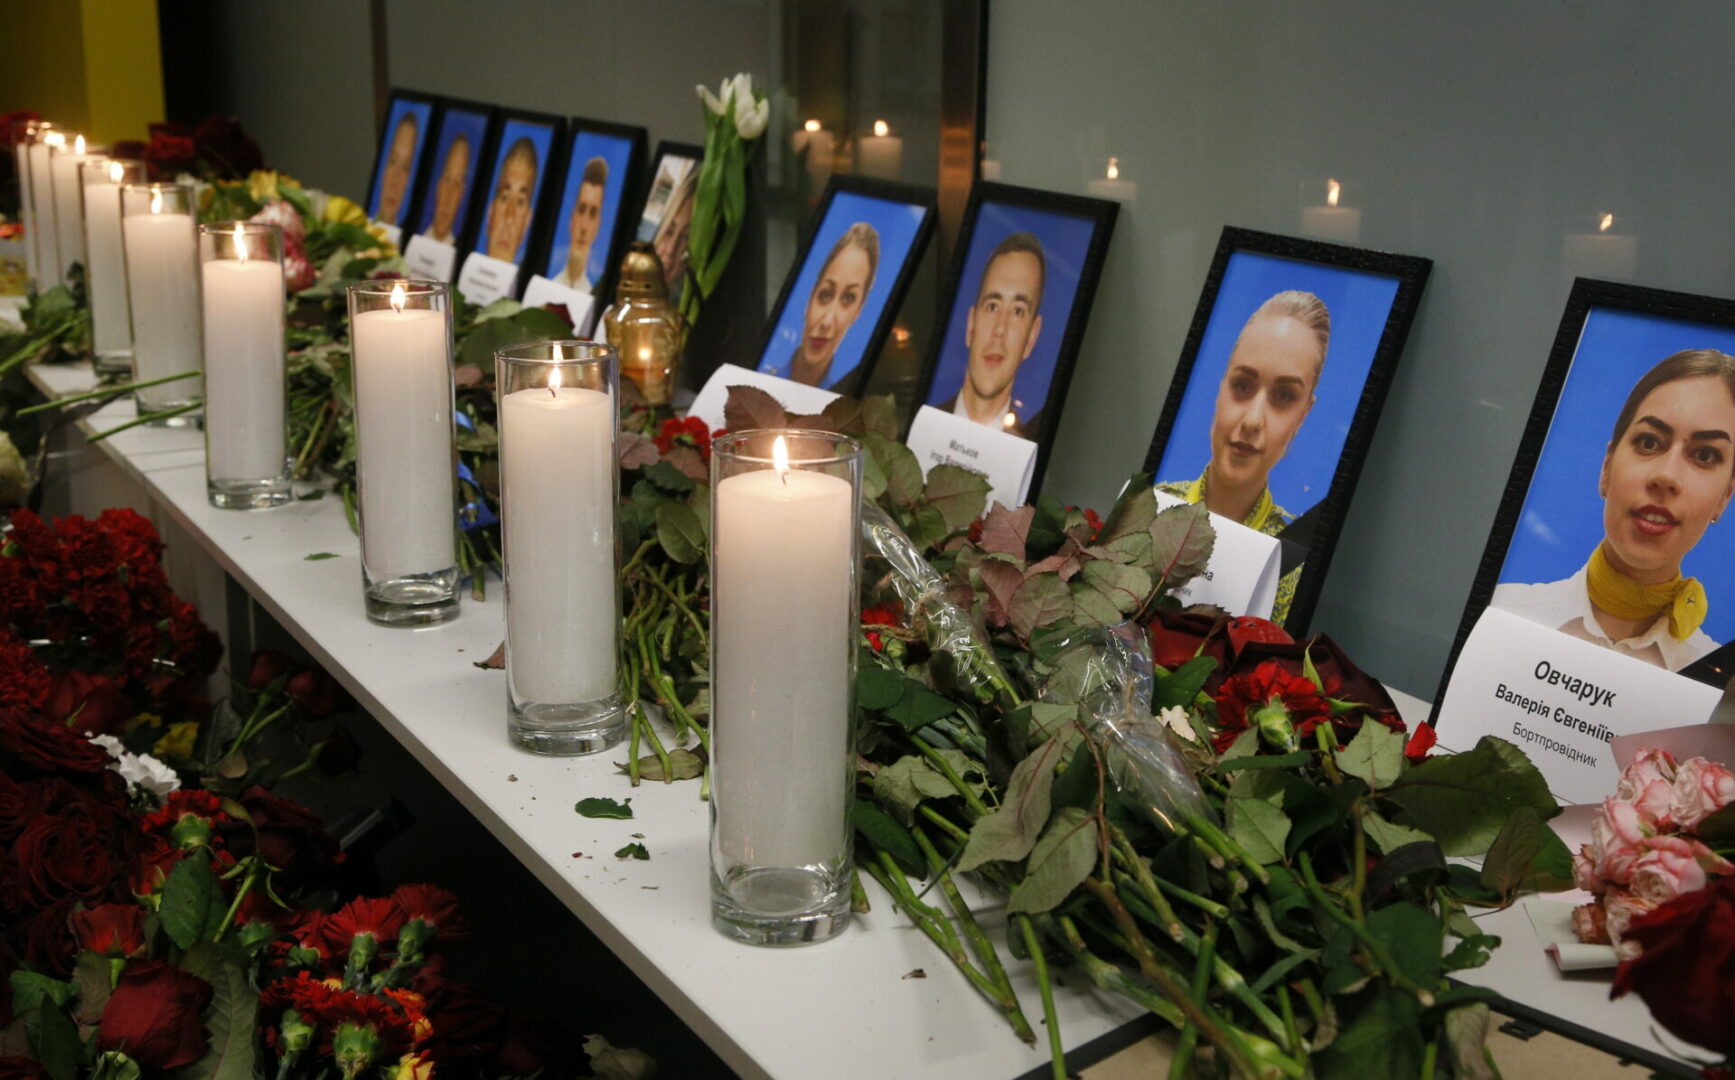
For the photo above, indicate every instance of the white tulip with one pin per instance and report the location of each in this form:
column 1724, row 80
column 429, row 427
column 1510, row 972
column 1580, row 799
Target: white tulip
column 741, row 86
column 750, row 119
column 710, row 99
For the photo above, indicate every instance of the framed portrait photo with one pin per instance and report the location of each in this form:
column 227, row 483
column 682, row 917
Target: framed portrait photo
column 1019, row 294
column 516, row 186
column 667, row 213
column 402, row 157
column 1614, row 526
column 838, row 302
column 1279, row 387
column 590, row 225
column 462, row 134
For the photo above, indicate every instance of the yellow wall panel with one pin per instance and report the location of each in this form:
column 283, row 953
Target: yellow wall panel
column 91, row 66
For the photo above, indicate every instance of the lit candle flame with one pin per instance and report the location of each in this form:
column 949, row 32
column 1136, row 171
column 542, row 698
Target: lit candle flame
column 1114, row 168
column 554, row 376
column 240, row 243
column 1607, row 220
column 811, row 125
column 54, row 138
column 882, row 128
column 644, row 354
column 1332, row 190
column 156, row 201
column 780, row 459
column 78, row 145
column 116, row 172
column 398, row 297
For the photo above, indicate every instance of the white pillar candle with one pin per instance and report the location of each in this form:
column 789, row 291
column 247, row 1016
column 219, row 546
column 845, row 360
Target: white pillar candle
column 27, row 212
column 68, row 208
column 1341, row 224
column 244, row 391
column 47, row 240
column 1113, row 185
column 781, row 611
column 882, row 153
column 1602, row 254
column 111, row 328
column 557, row 506
column 163, row 290
column 404, row 459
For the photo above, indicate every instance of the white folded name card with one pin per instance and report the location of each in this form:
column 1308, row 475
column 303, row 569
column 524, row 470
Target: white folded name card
column 393, row 233
column 1562, row 699
column 542, row 291
column 429, row 259
column 486, row 279
column 1241, row 577
column 793, row 396
column 1009, row 462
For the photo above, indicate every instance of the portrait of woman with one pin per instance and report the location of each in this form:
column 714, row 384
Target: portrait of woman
column 838, row 294
column 513, row 202
column 1666, row 478
column 670, row 239
column 836, row 306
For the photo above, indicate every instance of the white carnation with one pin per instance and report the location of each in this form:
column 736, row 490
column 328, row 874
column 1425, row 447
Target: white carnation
column 143, row 773
column 1177, row 721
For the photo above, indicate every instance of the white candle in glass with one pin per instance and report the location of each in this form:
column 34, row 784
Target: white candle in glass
column 162, row 256
column 557, row 504
column 27, row 212
column 404, row 463
column 782, row 625
column 68, row 206
column 47, row 239
column 105, row 271
column 882, row 153
column 244, row 373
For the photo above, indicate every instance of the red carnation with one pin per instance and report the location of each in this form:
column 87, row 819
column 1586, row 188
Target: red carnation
column 24, row 680
column 434, row 909
column 1421, row 741
column 1686, row 973
column 114, row 930
column 688, row 432
column 153, row 1015
column 378, row 920
column 21, row 1068
column 1242, row 697
column 187, row 819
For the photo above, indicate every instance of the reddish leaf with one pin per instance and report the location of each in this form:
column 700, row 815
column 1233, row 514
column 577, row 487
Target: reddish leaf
column 1004, row 531
column 749, row 408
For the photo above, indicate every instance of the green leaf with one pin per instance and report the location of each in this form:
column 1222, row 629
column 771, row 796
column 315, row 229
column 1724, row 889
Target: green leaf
column 919, row 707
column 1182, row 685
column 680, row 533
column 90, row 982
column 1010, row 830
column 56, row 1043
column 1412, row 936
column 1718, row 829
column 888, row 835
column 1126, row 586
column 1259, row 827
column 230, row 1018
column 925, row 526
column 904, row 783
column 1090, row 607
column 1181, row 541
column 665, row 477
column 1059, row 862
column 1041, row 600
column 192, row 904
column 320, row 556
column 1133, row 512
column 1045, row 533
column 30, row 989
column 1380, row 1036
column 634, row 850
column 1375, row 755
column 1467, row 1042
column 903, row 471
column 1463, row 800
column 1527, row 855
column 1471, row 952
column 879, row 415
column 491, row 333
column 1388, row 837
column 1078, row 782
column 683, row 765
column 599, row 807
column 877, row 688
column 958, row 493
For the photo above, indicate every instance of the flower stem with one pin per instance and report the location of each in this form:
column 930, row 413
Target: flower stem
column 146, row 419
column 980, row 943
column 1044, row 986
column 939, row 762
column 101, row 392
column 1372, row 948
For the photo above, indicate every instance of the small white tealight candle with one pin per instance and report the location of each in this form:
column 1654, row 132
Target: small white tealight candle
column 1605, row 253
column 882, row 153
column 1340, row 224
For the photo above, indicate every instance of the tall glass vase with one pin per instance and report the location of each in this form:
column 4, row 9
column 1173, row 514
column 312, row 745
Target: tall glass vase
column 246, row 376
column 105, row 268
column 160, row 234
column 785, row 557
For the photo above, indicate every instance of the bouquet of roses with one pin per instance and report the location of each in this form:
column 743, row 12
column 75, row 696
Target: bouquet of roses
column 1649, row 845
column 327, row 239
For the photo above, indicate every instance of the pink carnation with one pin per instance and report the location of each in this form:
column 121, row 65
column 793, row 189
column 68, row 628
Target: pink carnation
column 1701, row 788
column 1619, row 910
column 298, row 272
column 1584, row 873
column 1650, row 766
column 1617, row 840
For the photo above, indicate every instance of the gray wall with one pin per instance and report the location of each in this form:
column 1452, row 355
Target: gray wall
column 1478, row 134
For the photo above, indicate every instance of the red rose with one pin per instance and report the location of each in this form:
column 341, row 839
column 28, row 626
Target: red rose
column 153, row 1015
column 48, row 748
column 1176, row 639
column 111, row 929
column 170, row 154
column 12, row 811
column 1686, row 973
column 1420, row 742
column 226, row 151
column 269, row 665
column 60, row 859
column 315, row 693
column 290, row 837
column 87, row 703
column 49, row 946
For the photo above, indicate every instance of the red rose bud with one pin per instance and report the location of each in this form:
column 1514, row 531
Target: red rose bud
column 315, row 693
column 1421, row 741
column 268, row 667
column 153, row 1015
column 112, row 930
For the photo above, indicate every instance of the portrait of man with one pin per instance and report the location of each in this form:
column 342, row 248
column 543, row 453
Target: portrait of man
column 583, row 224
column 514, row 200
column 451, row 173
column 449, row 191
column 1003, row 326
column 395, row 169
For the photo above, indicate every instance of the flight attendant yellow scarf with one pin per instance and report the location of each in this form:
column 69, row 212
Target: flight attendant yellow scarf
column 1612, row 591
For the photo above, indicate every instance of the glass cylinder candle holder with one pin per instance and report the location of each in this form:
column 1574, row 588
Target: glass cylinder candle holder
column 246, row 392
column 105, row 268
column 785, row 555
column 44, row 236
column 160, row 235
column 559, row 481
column 64, row 165
column 24, row 133
column 406, row 455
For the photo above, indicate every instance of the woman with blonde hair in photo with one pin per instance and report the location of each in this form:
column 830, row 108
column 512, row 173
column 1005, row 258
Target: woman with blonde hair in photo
column 1667, row 476
column 839, row 291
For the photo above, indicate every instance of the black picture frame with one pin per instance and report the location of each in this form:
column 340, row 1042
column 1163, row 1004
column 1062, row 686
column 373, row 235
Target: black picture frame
column 626, row 216
column 547, row 181
column 890, row 191
column 1102, row 214
column 424, row 158
column 484, row 152
column 666, row 148
column 1587, row 294
column 1317, row 528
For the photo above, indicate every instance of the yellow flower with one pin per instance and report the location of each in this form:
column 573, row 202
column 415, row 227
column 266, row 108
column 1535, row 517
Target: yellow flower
column 344, row 211
column 262, row 184
column 384, row 249
column 144, row 719
column 177, row 742
column 414, row 1067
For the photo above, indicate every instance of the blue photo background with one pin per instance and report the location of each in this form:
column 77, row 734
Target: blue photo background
column 617, row 152
column 1562, row 516
column 473, row 126
column 898, row 225
column 1065, row 241
column 423, row 112
column 541, row 136
column 1359, row 303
